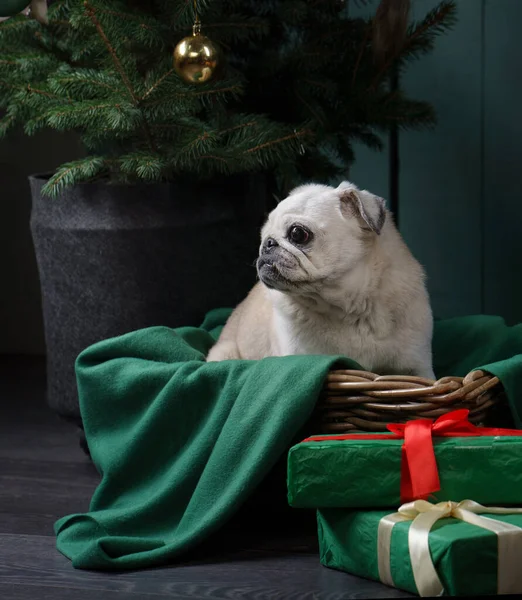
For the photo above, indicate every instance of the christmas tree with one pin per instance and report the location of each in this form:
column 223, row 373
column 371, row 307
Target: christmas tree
column 302, row 80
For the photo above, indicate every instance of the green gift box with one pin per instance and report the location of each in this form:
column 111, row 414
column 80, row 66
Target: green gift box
column 459, row 558
column 356, row 473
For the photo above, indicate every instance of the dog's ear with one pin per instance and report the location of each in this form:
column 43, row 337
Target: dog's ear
column 364, row 205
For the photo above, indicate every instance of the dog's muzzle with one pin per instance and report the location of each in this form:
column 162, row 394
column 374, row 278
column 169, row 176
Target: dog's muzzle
column 266, row 270
column 271, row 259
column 268, row 254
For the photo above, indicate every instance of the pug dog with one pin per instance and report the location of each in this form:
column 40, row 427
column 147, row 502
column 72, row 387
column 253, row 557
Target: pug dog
column 335, row 278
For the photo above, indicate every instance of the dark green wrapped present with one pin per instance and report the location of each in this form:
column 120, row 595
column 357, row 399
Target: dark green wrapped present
column 421, row 551
column 366, row 473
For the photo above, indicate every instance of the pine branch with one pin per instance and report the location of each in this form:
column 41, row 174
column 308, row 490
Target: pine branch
column 255, row 25
column 121, row 17
column 166, row 126
column 290, row 137
column 237, row 127
column 23, row 67
column 237, row 28
column 6, row 123
column 157, row 83
column 195, row 147
column 214, row 157
column 18, row 28
column 32, row 125
column 97, row 140
column 117, row 63
column 182, row 123
column 31, row 90
column 69, row 81
column 15, row 22
column 233, row 89
column 73, row 172
column 437, row 21
column 144, row 165
column 85, row 83
column 59, row 23
column 119, row 117
column 183, row 12
column 126, row 16
column 142, row 29
column 188, row 92
column 314, row 111
column 175, row 98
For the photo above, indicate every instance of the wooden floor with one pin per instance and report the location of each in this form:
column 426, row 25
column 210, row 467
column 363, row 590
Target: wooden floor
column 45, row 475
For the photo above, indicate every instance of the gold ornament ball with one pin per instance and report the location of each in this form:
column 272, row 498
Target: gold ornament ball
column 196, row 59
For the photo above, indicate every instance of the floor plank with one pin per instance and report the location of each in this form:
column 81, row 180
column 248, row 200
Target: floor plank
column 45, row 475
column 244, row 574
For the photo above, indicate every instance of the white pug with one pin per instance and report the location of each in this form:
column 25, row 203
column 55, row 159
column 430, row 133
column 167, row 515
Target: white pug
column 335, row 278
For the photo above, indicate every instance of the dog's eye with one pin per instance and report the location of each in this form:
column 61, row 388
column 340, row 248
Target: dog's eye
column 299, row 235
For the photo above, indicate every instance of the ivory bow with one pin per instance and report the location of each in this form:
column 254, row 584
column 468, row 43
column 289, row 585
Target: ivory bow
column 424, row 515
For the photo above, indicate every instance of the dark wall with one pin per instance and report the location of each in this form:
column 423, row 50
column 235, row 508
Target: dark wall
column 21, row 329
column 460, row 206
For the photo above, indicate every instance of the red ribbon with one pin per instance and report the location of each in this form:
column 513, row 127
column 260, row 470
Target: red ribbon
column 419, row 473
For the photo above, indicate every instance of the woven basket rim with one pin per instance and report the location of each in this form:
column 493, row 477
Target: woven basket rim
column 357, row 400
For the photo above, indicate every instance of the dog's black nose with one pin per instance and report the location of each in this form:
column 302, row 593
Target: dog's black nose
column 269, row 244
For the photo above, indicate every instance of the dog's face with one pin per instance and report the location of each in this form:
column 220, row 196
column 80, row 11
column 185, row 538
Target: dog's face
column 316, row 235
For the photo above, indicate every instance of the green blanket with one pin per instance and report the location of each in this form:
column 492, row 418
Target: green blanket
column 181, row 444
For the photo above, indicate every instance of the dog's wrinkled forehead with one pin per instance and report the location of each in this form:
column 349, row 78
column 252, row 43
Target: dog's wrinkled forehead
column 313, row 205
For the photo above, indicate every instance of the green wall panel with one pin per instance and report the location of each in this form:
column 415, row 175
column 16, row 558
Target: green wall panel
column 370, row 170
column 502, row 173
column 440, row 182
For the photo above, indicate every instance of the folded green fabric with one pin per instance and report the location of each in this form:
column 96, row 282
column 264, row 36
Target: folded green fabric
column 463, row 344
column 367, row 473
column 465, row 556
column 181, row 444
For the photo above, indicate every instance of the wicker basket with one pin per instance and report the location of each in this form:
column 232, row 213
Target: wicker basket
column 356, row 401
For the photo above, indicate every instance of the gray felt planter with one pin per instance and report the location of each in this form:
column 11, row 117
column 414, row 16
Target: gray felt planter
column 115, row 258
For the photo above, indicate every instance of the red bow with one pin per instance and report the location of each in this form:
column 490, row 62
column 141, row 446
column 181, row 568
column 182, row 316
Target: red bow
column 419, row 473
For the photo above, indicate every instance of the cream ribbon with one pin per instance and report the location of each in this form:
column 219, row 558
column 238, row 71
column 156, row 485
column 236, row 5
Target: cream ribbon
column 424, row 515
